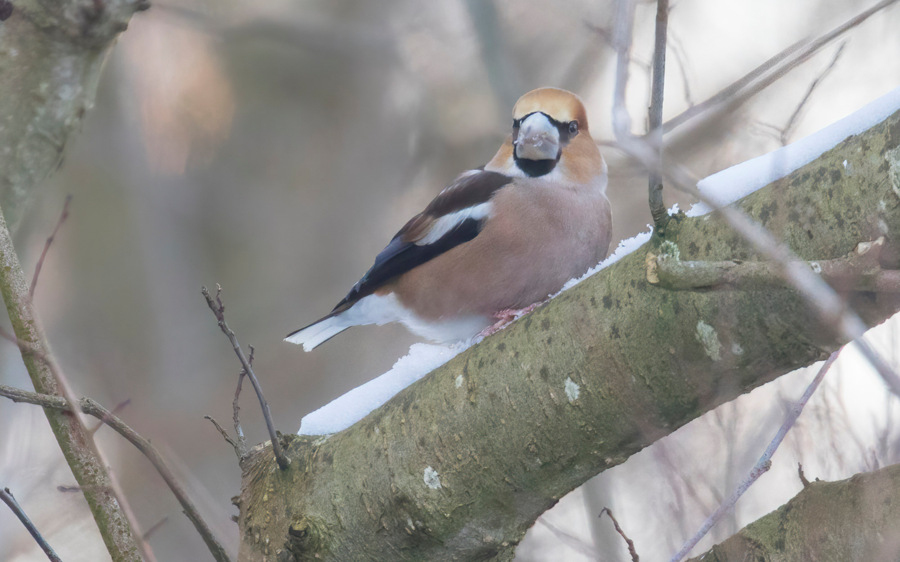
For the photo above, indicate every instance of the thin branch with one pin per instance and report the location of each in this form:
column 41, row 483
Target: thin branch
column 9, row 500
column 802, row 476
column 108, row 506
column 678, row 51
column 225, row 436
column 657, row 207
column 831, row 309
column 571, row 540
column 239, row 445
column 236, row 408
column 770, row 71
column 858, row 271
column 115, row 411
column 40, row 263
column 762, row 465
column 629, row 542
column 621, row 120
column 92, row 408
column 792, row 121
column 154, row 528
column 218, row 309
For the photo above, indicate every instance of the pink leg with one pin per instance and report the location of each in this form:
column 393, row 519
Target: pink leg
column 505, row 318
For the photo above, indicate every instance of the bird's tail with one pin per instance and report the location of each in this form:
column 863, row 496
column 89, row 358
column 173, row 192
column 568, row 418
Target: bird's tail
column 318, row 332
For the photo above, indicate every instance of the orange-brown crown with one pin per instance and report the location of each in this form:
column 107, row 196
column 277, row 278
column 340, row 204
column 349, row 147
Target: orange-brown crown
column 561, row 105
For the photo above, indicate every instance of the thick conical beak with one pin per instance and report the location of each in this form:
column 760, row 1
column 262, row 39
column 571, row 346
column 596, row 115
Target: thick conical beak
column 538, row 138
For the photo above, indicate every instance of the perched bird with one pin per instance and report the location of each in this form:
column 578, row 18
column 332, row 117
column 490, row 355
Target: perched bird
column 496, row 240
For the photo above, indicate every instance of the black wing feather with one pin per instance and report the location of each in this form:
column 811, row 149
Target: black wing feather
column 399, row 257
column 402, row 255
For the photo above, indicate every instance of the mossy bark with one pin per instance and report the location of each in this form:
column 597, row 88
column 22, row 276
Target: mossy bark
column 459, row 465
column 51, row 54
column 854, row 520
column 50, row 59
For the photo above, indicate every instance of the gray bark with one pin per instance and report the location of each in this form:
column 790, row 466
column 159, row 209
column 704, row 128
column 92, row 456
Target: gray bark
column 51, row 54
column 459, row 465
column 854, row 520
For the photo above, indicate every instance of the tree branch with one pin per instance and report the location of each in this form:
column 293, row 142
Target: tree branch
column 762, row 465
column 657, row 208
column 461, row 463
column 768, row 72
column 218, row 309
column 77, row 446
column 857, row 271
column 92, row 408
column 7, row 498
column 40, row 263
column 853, row 519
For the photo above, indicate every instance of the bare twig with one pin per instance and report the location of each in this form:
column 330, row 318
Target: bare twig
column 154, row 528
column 224, row 434
column 115, row 411
column 9, row 500
column 92, row 408
column 831, row 309
column 678, row 51
column 858, row 271
column 792, row 121
column 571, row 540
column 239, row 444
column 218, row 309
column 657, row 207
column 770, row 71
column 762, row 465
column 629, row 542
column 106, row 503
column 40, row 263
column 236, row 408
column 621, row 120
column 802, row 476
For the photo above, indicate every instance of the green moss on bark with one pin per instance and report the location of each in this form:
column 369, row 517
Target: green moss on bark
column 510, row 439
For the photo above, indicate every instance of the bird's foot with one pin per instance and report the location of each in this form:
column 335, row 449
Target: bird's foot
column 506, row 317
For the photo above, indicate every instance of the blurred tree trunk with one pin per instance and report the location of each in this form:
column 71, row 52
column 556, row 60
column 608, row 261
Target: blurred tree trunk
column 51, row 54
column 459, row 465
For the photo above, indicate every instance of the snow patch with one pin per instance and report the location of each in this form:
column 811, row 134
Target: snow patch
column 572, row 390
column 724, row 188
column 708, row 338
column 432, row 480
column 729, row 185
column 344, row 411
column 459, row 381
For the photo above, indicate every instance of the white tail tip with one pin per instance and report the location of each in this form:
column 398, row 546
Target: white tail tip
column 313, row 336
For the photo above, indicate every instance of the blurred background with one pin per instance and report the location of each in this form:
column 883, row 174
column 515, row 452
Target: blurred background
column 274, row 147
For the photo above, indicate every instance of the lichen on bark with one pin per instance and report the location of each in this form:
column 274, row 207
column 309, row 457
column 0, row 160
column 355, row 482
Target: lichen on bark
column 509, row 441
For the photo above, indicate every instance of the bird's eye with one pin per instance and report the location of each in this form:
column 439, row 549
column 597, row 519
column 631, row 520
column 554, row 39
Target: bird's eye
column 573, row 127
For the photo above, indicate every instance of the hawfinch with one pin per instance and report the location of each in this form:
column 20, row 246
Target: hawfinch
column 498, row 239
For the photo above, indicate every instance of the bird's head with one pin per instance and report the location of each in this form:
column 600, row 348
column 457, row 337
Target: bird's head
column 549, row 125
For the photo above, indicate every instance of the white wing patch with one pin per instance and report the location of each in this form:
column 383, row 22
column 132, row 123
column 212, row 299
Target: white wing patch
column 447, row 223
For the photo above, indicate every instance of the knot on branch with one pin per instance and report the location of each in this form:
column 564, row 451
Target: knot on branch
column 307, row 538
column 859, row 270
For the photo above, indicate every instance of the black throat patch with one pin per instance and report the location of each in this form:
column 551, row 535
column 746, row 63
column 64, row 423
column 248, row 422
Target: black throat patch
column 535, row 168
